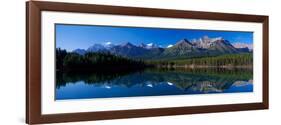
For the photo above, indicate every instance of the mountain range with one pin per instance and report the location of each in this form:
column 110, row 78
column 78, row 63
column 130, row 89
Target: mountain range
column 184, row 48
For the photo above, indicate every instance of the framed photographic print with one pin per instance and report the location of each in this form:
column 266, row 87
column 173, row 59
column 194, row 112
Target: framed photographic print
column 94, row 62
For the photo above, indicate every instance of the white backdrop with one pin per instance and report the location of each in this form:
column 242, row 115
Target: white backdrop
column 12, row 68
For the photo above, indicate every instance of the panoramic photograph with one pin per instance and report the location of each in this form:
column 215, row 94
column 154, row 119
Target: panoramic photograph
column 110, row 61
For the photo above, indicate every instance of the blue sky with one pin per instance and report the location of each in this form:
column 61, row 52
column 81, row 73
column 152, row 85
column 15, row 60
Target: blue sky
column 71, row 37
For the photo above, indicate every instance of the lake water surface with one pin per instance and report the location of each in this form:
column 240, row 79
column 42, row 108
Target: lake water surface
column 152, row 82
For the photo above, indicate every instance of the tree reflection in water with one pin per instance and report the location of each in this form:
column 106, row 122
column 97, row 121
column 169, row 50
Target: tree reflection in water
column 202, row 80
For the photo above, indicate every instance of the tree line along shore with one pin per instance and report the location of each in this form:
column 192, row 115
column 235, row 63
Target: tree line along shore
column 107, row 61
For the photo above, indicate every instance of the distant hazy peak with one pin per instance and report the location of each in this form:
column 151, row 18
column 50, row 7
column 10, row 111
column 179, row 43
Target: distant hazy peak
column 183, row 42
column 128, row 44
column 243, row 45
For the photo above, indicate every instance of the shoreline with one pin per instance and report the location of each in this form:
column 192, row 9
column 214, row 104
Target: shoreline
column 205, row 66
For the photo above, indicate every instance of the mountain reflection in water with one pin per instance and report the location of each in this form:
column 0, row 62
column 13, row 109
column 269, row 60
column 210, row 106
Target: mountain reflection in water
column 152, row 82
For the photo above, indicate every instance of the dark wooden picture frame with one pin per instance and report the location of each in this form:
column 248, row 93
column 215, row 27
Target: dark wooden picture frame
column 33, row 61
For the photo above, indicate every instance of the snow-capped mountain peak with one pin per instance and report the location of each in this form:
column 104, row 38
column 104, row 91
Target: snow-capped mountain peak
column 205, row 42
column 108, row 43
column 149, row 45
column 169, row 46
column 96, row 47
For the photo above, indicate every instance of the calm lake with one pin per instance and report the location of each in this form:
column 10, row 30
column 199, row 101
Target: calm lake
column 152, row 82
